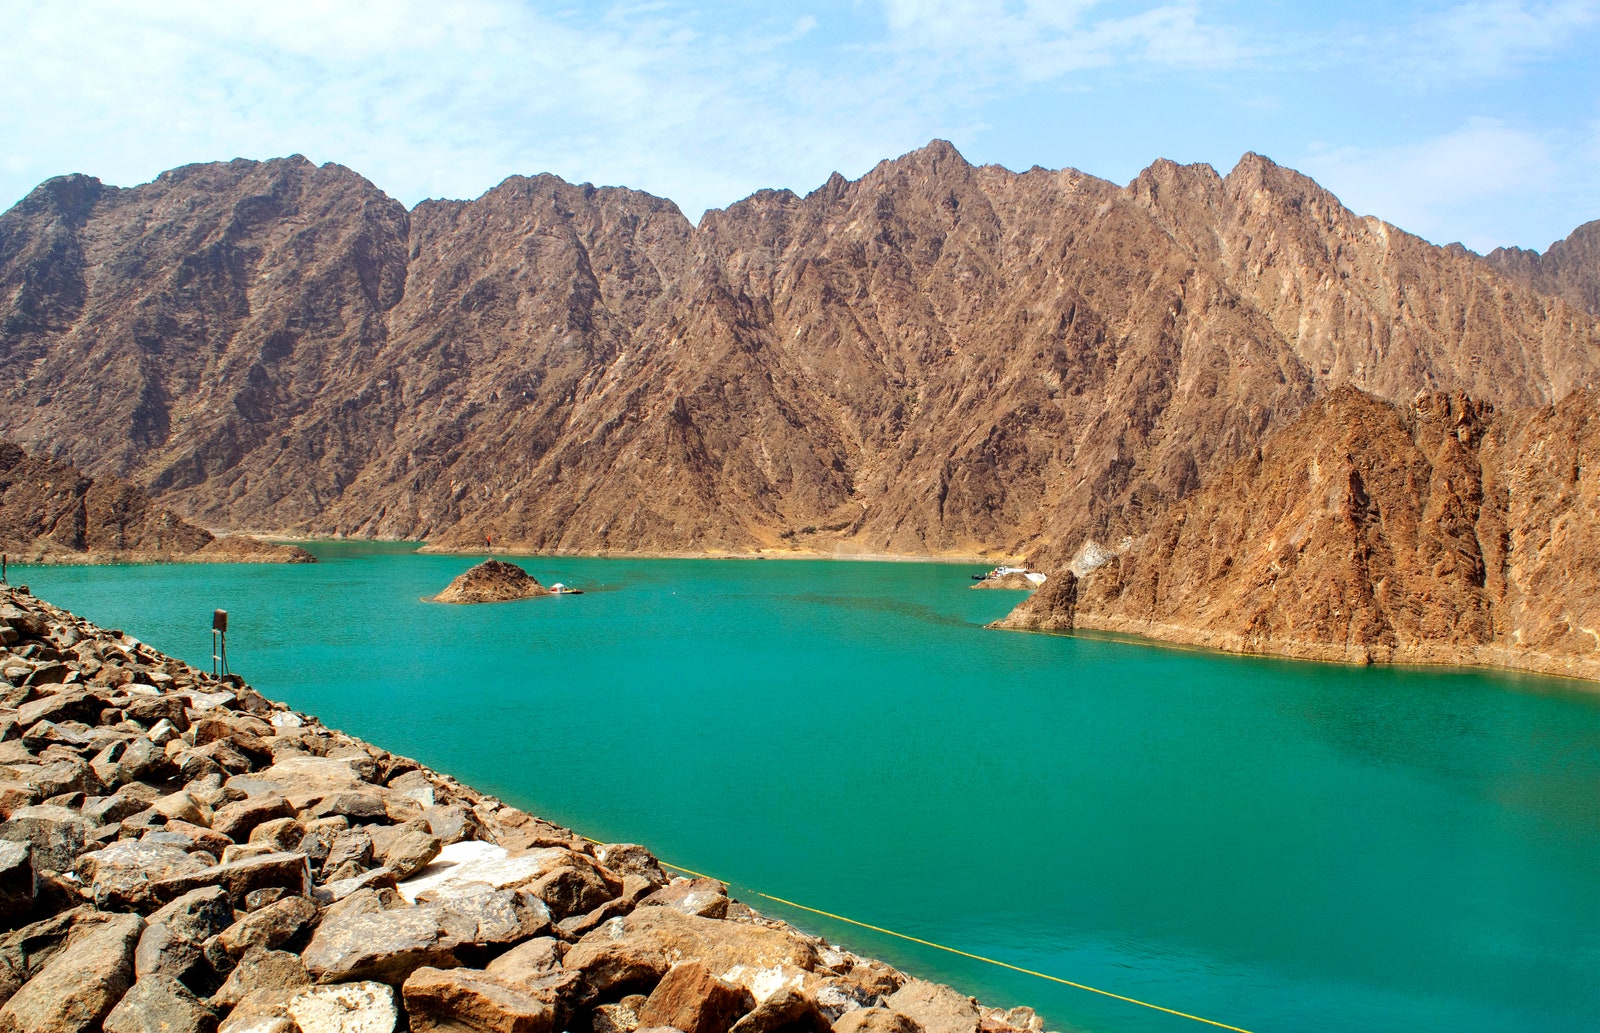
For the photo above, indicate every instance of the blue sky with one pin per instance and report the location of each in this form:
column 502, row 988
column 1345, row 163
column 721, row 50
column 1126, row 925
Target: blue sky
column 1477, row 122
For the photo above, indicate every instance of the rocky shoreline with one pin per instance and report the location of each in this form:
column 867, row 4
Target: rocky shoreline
column 181, row 854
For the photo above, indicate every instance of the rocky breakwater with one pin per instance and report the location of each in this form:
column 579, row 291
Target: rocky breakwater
column 181, row 854
column 492, row 581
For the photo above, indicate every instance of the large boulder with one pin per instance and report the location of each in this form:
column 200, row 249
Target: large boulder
column 121, row 874
column 239, row 878
column 693, row 1000
column 492, row 581
column 707, row 898
column 57, row 834
column 160, row 1004
column 466, row 999
column 172, row 942
column 386, row 946
column 875, row 1020
column 271, row 927
column 364, row 1007
column 262, row 970
column 635, row 951
column 78, row 988
column 936, row 1008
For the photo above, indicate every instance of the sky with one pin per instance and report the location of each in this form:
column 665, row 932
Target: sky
column 1476, row 122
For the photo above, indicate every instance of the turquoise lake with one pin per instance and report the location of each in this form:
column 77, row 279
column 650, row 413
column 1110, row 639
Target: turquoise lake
column 1273, row 845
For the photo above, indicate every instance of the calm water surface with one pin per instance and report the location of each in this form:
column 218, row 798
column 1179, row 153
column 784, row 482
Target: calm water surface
column 1279, row 846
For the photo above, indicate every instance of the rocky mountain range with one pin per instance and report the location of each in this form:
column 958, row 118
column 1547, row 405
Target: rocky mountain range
column 937, row 359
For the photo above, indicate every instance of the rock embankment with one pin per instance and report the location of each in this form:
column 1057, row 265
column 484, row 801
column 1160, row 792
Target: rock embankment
column 492, row 581
column 181, row 854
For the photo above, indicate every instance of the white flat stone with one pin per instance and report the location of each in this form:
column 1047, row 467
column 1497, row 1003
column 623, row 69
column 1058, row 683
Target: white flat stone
column 459, row 864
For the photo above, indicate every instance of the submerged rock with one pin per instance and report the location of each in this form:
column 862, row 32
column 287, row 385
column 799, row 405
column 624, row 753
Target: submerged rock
column 492, row 581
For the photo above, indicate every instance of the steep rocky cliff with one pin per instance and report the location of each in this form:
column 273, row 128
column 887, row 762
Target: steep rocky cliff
column 934, row 359
column 1569, row 269
column 50, row 511
column 1439, row 532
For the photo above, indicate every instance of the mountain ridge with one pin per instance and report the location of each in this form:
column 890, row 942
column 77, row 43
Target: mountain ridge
column 935, row 359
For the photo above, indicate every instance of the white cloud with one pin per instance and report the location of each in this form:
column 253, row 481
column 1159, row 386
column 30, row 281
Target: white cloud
column 1036, row 41
column 1458, row 186
column 1491, row 37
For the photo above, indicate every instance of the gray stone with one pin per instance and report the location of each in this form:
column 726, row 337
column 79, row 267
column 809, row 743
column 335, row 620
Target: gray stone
column 58, row 835
column 160, row 1004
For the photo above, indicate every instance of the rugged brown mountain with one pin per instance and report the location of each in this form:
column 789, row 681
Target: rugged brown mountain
column 934, row 359
column 1569, row 269
column 50, row 511
column 1439, row 532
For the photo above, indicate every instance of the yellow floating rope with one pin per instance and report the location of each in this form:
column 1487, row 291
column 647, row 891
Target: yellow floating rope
column 966, row 954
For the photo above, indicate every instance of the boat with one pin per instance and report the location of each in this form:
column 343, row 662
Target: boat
column 559, row 589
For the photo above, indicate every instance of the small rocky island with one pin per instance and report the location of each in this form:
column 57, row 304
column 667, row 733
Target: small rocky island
column 179, row 853
column 492, row 581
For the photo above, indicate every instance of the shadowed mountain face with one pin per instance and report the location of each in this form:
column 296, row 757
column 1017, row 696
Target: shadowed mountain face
column 1435, row 532
column 50, row 511
column 934, row 359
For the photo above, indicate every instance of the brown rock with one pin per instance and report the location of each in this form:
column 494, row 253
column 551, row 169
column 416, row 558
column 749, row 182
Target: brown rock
column 160, row 1004
column 466, row 999
column 269, row 928
column 691, row 999
column 239, row 878
column 636, row 951
column 410, row 852
column 386, row 945
column 262, row 970
column 707, row 898
column 56, row 835
column 528, row 962
column 80, row 985
column 875, row 1020
column 171, row 942
column 785, row 1010
column 936, row 1008
column 492, row 581
column 121, row 874
column 631, row 859
column 238, row 820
